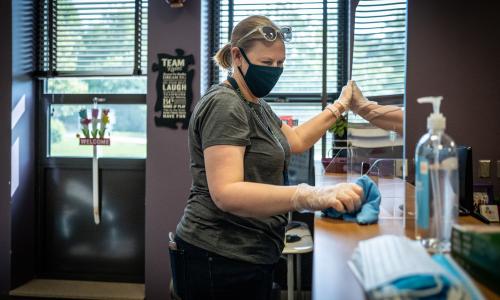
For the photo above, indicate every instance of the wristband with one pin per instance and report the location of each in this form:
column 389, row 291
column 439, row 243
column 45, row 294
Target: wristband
column 341, row 101
column 335, row 111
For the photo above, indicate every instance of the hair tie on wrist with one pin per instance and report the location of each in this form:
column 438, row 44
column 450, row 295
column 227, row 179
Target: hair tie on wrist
column 335, row 111
column 341, row 104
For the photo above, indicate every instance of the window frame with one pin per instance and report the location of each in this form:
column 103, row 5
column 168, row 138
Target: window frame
column 213, row 45
column 42, row 116
column 323, row 97
column 46, row 53
column 46, row 48
column 75, row 99
column 346, row 41
column 45, row 162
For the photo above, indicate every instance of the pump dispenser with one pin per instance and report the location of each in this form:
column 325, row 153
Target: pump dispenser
column 436, row 120
column 436, row 182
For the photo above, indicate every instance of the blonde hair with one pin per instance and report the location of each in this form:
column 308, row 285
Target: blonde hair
column 223, row 56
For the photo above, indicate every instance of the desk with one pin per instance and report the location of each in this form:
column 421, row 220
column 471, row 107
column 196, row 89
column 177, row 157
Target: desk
column 335, row 240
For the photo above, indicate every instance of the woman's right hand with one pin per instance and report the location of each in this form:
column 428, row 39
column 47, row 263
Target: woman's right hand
column 345, row 97
column 343, row 197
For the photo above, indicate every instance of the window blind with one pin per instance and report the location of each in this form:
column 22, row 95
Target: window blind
column 92, row 37
column 303, row 70
column 378, row 62
column 210, row 39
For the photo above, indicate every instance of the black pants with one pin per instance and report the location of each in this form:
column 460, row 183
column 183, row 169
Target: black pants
column 200, row 274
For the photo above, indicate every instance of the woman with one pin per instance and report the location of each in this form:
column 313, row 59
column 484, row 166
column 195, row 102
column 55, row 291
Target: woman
column 232, row 229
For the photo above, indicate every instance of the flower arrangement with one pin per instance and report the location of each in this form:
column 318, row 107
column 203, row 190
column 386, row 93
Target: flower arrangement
column 97, row 129
column 104, row 122
column 95, row 114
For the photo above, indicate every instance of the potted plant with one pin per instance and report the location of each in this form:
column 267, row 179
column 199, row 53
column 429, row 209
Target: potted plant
column 336, row 163
column 339, row 131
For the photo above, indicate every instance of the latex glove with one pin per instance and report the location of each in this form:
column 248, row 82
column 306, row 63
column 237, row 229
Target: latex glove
column 358, row 100
column 370, row 209
column 345, row 97
column 342, row 197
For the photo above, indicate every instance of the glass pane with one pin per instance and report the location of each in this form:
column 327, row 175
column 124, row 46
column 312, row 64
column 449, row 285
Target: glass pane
column 97, row 85
column 375, row 139
column 378, row 153
column 304, row 54
column 93, row 36
column 301, row 112
column 127, row 131
column 378, row 62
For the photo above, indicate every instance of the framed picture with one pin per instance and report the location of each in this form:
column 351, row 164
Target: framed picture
column 490, row 212
column 483, row 195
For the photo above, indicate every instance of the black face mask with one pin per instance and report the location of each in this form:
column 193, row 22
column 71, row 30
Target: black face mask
column 260, row 79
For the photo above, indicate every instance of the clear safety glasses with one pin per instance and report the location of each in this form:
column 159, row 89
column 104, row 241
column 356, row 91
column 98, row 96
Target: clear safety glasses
column 270, row 33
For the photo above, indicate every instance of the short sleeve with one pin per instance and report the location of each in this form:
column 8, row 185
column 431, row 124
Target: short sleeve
column 223, row 120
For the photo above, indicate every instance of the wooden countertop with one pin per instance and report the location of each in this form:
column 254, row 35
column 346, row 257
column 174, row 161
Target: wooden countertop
column 335, row 240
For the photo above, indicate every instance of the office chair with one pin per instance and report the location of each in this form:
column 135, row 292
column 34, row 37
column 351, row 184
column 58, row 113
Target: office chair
column 300, row 170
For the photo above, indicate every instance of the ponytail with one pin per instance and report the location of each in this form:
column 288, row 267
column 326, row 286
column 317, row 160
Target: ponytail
column 223, row 57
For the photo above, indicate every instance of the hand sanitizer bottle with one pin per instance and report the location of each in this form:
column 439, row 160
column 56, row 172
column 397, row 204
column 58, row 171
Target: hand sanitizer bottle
column 436, row 183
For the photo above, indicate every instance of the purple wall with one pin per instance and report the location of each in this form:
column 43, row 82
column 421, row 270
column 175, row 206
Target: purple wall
column 23, row 215
column 5, row 108
column 167, row 166
column 453, row 51
column 17, row 212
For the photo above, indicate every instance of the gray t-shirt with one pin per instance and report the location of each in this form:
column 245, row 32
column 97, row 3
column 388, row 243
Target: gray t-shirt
column 221, row 117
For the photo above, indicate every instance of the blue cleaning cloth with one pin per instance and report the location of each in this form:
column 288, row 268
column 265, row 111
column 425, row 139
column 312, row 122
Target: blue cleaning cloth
column 368, row 214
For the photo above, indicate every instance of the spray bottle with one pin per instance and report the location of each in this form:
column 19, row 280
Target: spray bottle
column 436, row 182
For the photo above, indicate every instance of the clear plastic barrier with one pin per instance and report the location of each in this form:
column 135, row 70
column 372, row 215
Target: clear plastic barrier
column 374, row 135
column 379, row 154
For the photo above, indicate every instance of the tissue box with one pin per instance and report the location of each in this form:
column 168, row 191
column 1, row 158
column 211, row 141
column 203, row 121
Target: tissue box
column 477, row 249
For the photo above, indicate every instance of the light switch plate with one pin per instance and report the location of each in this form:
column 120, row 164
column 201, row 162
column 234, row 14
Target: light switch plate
column 498, row 168
column 484, row 168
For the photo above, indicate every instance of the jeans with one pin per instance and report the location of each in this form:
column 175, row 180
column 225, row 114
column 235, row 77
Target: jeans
column 201, row 274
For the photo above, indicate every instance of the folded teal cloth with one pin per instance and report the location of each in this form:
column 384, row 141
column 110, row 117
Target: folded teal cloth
column 368, row 214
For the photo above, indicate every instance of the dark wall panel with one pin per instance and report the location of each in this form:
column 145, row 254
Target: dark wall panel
column 5, row 124
column 453, row 49
column 74, row 246
column 167, row 168
column 23, row 162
